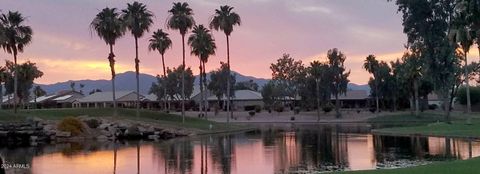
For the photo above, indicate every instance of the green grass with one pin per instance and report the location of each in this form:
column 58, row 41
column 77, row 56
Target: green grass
column 448, row 167
column 456, row 129
column 168, row 120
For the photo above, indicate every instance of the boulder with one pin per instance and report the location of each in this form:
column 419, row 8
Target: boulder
column 63, row 134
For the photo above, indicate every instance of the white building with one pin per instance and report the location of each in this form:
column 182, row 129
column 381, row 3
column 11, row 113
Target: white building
column 124, row 99
column 242, row 99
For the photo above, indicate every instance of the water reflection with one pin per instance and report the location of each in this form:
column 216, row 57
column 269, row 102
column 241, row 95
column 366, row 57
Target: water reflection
column 273, row 149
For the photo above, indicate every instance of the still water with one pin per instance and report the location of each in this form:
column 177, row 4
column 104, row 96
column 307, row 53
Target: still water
column 271, row 149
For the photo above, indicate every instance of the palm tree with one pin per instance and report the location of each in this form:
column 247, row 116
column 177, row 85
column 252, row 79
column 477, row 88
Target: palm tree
column 161, row 42
column 138, row 20
column 181, row 19
column 371, row 65
column 38, row 92
column 224, row 19
column 203, row 45
column 16, row 37
column 413, row 73
column 109, row 27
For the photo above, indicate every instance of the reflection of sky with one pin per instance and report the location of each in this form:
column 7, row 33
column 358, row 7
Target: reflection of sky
column 249, row 156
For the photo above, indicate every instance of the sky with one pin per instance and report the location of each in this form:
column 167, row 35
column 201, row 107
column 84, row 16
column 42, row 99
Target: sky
column 65, row 48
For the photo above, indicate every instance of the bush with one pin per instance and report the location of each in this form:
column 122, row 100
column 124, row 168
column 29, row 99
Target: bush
column 372, row 110
column 474, row 95
column 279, row 108
column 92, row 123
column 292, row 118
column 296, row 110
column 327, row 108
column 72, row 125
column 258, row 108
column 251, row 113
column 432, row 106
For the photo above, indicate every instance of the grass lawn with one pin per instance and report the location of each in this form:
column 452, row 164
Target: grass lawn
column 168, row 120
column 407, row 117
column 447, row 167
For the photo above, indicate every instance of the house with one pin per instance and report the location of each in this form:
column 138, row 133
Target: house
column 243, row 100
column 125, row 99
column 61, row 99
column 353, row 99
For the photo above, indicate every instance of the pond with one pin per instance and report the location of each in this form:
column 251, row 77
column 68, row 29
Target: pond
column 281, row 148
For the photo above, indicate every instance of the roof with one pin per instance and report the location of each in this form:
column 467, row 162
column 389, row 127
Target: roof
column 353, row 95
column 242, row 95
column 106, row 96
column 62, row 97
column 43, row 98
column 151, row 97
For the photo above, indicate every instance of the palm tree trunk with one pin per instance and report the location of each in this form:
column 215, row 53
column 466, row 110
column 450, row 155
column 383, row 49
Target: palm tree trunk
column 15, row 81
column 205, row 87
column 447, row 108
column 318, row 99
column 415, row 86
column 201, row 89
column 1, row 95
column 228, row 82
column 376, row 96
column 183, row 79
column 164, row 85
column 112, row 69
column 469, row 105
column 137, row 70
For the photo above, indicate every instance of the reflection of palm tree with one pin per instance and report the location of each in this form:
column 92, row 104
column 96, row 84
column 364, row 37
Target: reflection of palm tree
column 138, row 20
column 181, row 18
column 224, row 19
column 17, row 36
column 2, row 170
column 109, row 27
column 114, row 157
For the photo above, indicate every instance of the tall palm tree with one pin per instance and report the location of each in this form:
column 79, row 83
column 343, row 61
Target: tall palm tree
column 371, row 65
column 3, row 72
column 161, row 42
column 224, row 19
column 16, row 37
column 138, row 20
column 109, row 27
column 203, row 45
column 181, row 19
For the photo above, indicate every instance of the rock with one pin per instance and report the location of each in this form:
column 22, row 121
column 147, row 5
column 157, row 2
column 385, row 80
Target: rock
column 101, row 137
column 63, row 134
column 103, row 126
column 153, row 137
column 33, row 138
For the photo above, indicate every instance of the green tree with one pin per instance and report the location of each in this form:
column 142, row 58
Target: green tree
column 318, row 71
column 461, row 38
column 269, row 94
column 161, row 42
column 426, row 24
column 225, row 19
column 174, row 82
column 338, row 74
column 246, row 85
column 203, row 46
column 27, row 73
column 158, row 88
column 16, row 37
column 218, row 82
column 181, row 19
column 289, row 73
column 138, row 20
column 109, row 27
column 371, row 65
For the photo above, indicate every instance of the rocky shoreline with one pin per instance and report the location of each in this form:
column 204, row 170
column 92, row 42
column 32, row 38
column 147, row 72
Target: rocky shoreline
column 34, row 131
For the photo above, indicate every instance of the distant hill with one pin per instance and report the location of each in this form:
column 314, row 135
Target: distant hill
column 126, row 81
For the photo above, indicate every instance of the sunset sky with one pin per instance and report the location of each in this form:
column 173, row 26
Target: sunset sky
column 66, row 49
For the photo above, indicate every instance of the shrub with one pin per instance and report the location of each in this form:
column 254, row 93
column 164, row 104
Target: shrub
column 327, row 108
column 251, row 113
column 92, row 123
column 432, row 106
column 296, row 110
column 279, row 108
column 258, row 108
column 72, row 125
column 292, row 118
column 372, row 110
column 474, row 95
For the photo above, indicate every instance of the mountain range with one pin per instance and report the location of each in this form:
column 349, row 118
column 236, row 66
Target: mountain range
column 126, row 81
